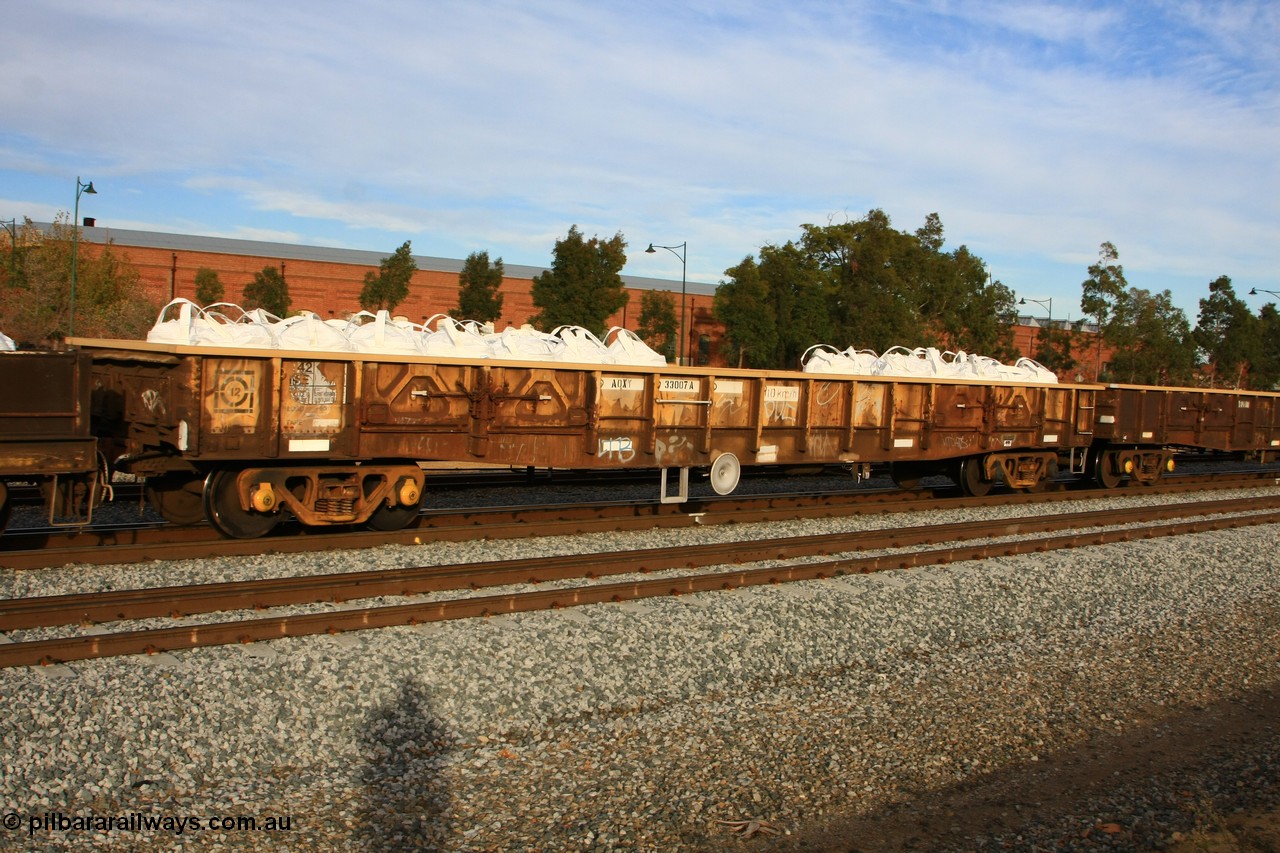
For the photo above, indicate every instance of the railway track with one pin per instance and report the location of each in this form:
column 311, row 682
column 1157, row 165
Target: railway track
column 129, row 544
column 1027, row 533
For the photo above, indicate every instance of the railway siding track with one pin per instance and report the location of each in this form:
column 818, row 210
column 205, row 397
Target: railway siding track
column 136, row 604
column 174, row 543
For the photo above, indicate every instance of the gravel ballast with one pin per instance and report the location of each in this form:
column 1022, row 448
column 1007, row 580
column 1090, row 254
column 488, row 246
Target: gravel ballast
column 675, row 723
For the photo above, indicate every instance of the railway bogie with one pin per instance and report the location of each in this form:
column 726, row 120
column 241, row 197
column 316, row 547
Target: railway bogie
column 248, row 438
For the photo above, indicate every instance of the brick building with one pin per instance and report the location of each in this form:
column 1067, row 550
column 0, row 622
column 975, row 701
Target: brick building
column 328, row 281
column 1090, row 353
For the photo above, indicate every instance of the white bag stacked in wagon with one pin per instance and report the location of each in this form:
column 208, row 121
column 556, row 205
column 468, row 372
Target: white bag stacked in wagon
column 225, row 325
column 921, row 361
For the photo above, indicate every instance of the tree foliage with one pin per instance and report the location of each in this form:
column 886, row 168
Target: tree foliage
column 209, row 287
column 268, row 291
column 1155, row 347
column 584, row 286
column 1265, row 372
column 35, row 302
column 478, row 289
column 1227, row 334
column 1104, row 290
column 658, row 324
column 741, row 303
column 389, row 286
column 862, row 284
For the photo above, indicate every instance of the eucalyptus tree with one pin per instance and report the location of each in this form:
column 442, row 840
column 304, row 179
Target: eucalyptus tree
column 1227, row 334
column 1157, row 349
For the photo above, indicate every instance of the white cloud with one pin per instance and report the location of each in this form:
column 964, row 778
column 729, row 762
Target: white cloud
column 1035, row 129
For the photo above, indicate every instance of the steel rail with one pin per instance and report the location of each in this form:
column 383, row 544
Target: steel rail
column 172, row 543
column 177, row 601
column 195, row 636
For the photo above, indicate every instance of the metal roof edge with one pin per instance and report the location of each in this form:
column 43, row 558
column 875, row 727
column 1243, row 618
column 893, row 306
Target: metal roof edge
column 328, row 254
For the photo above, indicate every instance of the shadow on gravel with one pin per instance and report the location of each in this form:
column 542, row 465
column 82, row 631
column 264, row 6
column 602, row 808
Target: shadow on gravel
column 1201, row 770
column 406, row 801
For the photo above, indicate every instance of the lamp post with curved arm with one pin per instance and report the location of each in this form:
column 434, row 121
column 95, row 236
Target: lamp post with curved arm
column 1257, row 290
column 1048, row 305
column 684, row 268
column 81, row 188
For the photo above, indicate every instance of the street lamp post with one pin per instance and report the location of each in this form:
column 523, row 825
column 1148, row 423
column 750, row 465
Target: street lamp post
column 81, row 188
column 684, row 269
column 1048, row 305
column 1255, row 291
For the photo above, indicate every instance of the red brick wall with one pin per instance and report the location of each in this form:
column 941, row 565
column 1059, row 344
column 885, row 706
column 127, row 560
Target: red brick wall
column 333, row 289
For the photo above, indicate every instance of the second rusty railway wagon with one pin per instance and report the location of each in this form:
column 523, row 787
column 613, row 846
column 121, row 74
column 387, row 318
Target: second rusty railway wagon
column 248, row 437
column 45, row 433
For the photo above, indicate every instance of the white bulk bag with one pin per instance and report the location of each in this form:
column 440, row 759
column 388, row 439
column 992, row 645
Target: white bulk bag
column 306, row 331
column 525, row 343
column 452, row 339
column 627, row 347
column 378, row 333
column 245, row 328
column 582, row 346
column 191, row 326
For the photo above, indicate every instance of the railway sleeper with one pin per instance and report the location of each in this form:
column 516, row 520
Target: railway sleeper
column 385, row 495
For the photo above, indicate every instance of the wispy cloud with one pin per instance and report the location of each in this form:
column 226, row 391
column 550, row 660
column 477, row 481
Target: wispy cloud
column 1036, row 129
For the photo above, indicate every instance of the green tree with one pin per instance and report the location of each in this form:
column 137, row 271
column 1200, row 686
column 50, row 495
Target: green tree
column 741, row 303
column 658, row 324
column 1054, row 348
column 1104, row 290
column 389, row 286
column 965, row 308
column 1265, row 374
column 1226, row 333
column 867, row 285
column 209, row 288
column 584, row 286
column 1157, row 350
column 35, row 307
column 869, row 269
column 798, row 300
column 478, row 289
column 268, row 291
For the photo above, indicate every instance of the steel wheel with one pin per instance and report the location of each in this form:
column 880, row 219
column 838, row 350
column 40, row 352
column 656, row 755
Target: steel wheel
column 905, row 475
column 1105, row 470
column 177, row 496
column 725, row 473
column 971, row 480
column 222, row 506
column 388, row 518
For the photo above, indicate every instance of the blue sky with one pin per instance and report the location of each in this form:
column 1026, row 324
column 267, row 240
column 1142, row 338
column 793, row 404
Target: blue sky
column 1036, row 130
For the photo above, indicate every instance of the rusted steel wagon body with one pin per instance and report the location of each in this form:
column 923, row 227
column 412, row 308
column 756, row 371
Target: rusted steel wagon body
column 45, row 431
column 240, row 435
column 1139, row 425
column 246, row 437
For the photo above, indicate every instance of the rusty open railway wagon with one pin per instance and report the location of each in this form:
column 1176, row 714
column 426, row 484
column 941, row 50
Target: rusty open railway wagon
column 246, row 438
